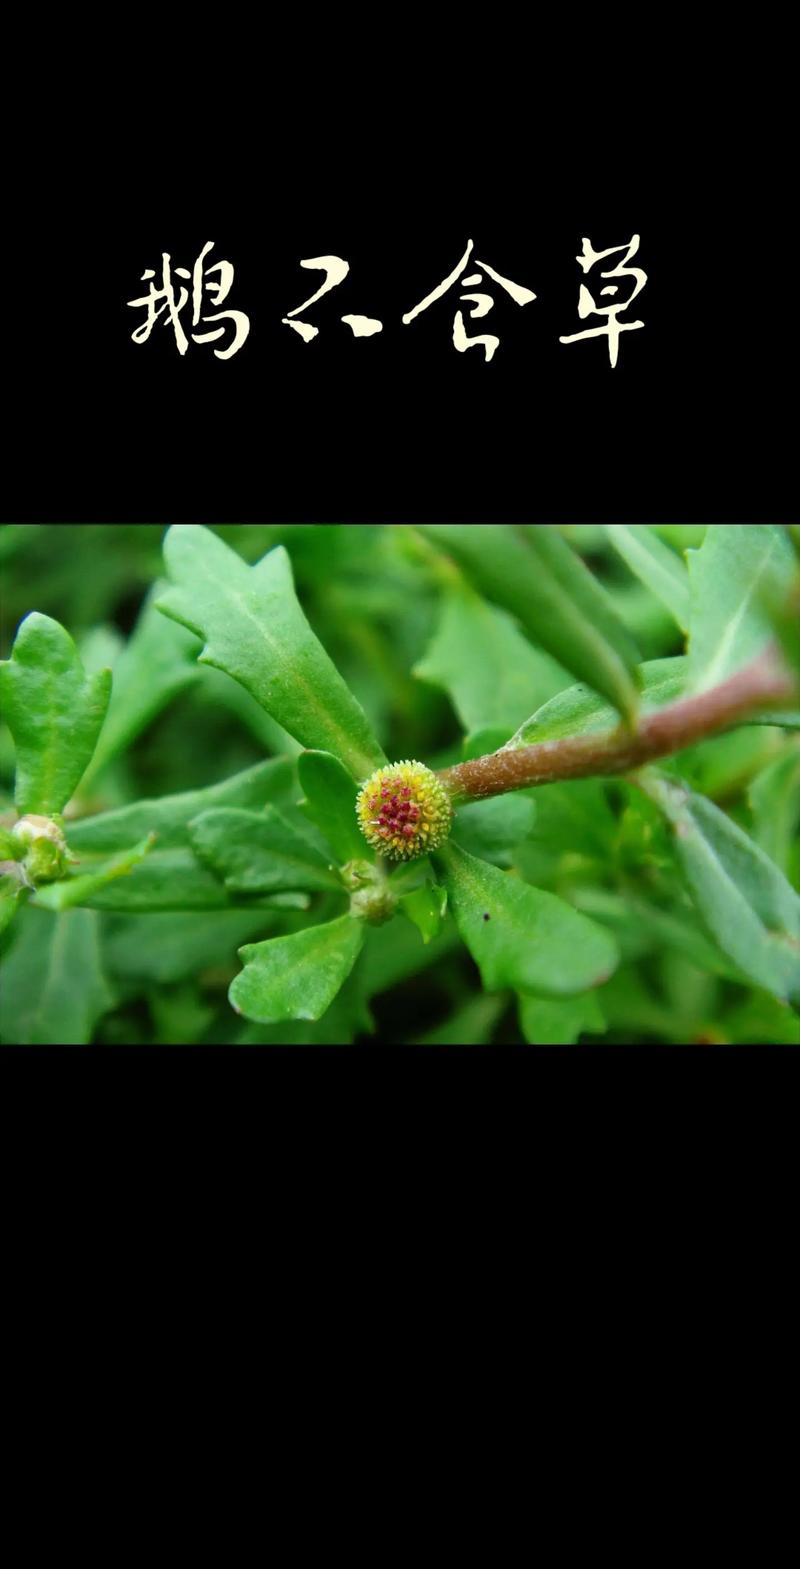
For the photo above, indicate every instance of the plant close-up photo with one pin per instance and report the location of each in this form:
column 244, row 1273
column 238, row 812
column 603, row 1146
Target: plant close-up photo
column 429, row 785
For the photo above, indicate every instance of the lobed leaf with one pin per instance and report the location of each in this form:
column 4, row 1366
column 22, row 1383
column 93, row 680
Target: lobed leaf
column 253, row 628
column 347, row 1016
column 54, row 711
column 490, row 672
column 258, row 852
column 296, row 977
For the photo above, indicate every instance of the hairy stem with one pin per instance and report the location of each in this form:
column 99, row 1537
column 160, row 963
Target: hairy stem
column 764, row 683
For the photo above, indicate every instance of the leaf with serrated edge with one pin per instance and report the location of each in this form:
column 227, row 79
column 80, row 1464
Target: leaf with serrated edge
column 54, row 712
column 253, row 628
column 490, row 672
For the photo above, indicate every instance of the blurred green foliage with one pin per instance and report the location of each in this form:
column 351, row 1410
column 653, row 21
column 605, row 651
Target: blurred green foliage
column 438, row 654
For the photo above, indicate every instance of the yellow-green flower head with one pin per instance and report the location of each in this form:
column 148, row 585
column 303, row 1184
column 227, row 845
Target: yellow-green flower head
column 403, row 811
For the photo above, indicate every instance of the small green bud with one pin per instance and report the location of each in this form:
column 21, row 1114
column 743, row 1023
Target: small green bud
column 371, row 898
column 42, row 848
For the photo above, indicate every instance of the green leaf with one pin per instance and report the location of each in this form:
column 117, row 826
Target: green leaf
column 573, row 824
column 54, row 989
column 258, row 852
column 775, row 799
column 331, row 804
column 480, row 742
column 425, row 908
column 172, row 878
column 54, row 711
column 746, row 903
column 787, row 718
column 490, row 672
column 176, row 880
column 180, row 1015
column 520, row 936
column 683, row 536
column 168, row 947
column 641, row 927
column 471, row 1025
column 562, row 607
column 347, row 1016
column 158, row 661
column 80, row 890
column 730, row 575
column 491, row 828
column 169, row 816
column 393, row 953
column 579, row 710
column 722, row 765
column 545, row 1022
column 253, row 628
column 761, row 1020
column 629, row 1006
column 658, row 567
column 296, row 977
column 218, row 688
column 14, row 891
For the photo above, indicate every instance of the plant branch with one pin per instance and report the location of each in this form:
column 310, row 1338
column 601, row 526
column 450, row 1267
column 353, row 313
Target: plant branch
column 764, row 683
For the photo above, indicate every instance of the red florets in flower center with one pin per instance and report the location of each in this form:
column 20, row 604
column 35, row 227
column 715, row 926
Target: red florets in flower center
column 398, row 813
column 403, row 811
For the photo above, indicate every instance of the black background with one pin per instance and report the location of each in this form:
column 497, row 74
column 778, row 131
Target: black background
column 696, row 422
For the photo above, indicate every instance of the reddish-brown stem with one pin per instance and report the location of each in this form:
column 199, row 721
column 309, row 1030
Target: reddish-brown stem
column 764, row 683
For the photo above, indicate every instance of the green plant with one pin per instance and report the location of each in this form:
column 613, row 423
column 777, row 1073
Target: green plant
column 592, row 834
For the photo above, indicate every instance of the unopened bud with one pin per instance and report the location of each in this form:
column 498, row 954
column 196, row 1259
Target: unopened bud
column 41, row 840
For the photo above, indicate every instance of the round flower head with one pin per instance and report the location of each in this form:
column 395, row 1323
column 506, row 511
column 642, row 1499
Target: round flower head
column 403, row 811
